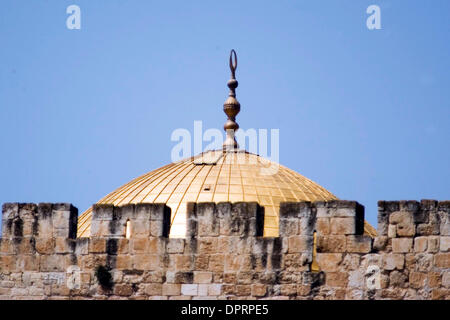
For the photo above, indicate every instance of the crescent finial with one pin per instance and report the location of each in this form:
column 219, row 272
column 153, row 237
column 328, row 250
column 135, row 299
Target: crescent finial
column 233, row 65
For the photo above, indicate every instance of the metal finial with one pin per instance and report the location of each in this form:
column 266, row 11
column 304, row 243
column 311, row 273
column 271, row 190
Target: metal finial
column 231, row 107
column 233, row 66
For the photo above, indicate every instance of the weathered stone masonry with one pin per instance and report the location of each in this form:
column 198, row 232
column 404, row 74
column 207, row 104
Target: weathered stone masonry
column 224, row 255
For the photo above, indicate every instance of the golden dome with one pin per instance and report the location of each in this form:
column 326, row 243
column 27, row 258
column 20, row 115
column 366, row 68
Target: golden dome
column 215, row 176
column 228, row 175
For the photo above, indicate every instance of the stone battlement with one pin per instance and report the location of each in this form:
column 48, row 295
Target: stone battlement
column 321, row 252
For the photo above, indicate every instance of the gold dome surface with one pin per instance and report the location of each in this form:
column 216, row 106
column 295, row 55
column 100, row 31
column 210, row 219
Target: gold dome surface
column 215, row 176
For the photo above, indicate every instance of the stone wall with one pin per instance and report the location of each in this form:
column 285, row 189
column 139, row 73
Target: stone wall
column 224, row 255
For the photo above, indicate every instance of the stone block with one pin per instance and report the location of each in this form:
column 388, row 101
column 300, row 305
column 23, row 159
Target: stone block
column 392, row 231
column 142, row 245
column 446, row 279
column 229, row 289
column 428, row 204
column 430, row 228
column 287, row 289
column 24, row 224
column 214, row 289
column 14, row 218
column 444, row 218
column 417, row 280
column 440, row 294
column 398, row 279
column 289, row 227
column 216, row 263
column 245, row 277
column 146, row 261
column 182, row 277
column 243, row 290
column 393, row 261
column 434, row 279
column 380, row 243
column 385, row 208
column 125, row 290
column 296, row 218
column 371, row 259
column 295, row 262
column 102, row 212
column 124, row 262
column 159, row 229
column 207, row 218
column 64, row 245
column 189, row 289
column 171, row 289
column 6, row 246
column 143, row 228
column 64, row 220
column 351, row 261
column 45, row 245
column 336, row 279
column 409, row 205
column 151, row 219
column 237, row 219
column 423, row 262
column 329, row 261
column 207, row 245
column 356, row 279
column 444, row 244
column 154, row 276
column 233, row 262
column 402, row 245
column 175, row 245
column 45, row 224
column 442, row 260
column 420, row 244
column 202, row 277
column 404, row 222
column 201, row 262
column 123, row 246
column 90, row 262
column 202, row 291
column 28, row 263
column 158, row 298
column 97, row 245
column 229, row 277
column 300, row 244
column 9, row 211
column 82, row 246
column 34, row 291
column 51, row 263
column 155, row 245
column 359, row 244
column 331, row 243
column 339, row 208
column 433, row 244
column 184, row 262
column 323, row 226
column 343, row 226
column 259, row 290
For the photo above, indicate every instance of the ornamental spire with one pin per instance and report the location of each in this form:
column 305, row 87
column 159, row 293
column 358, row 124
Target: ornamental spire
column 231, row 107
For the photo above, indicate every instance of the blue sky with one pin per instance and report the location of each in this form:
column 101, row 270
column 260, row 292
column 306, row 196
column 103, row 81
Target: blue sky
column 364, row 113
